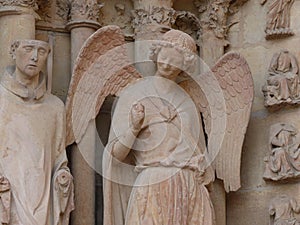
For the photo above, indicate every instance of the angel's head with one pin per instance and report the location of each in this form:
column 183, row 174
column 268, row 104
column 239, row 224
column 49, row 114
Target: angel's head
column 176, row 53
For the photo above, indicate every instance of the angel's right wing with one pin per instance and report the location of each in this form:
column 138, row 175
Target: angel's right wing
column 102, row 68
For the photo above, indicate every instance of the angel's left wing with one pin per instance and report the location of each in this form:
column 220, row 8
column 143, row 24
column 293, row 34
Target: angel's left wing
column 102, row 68
column 235, row 79
column 224, row 97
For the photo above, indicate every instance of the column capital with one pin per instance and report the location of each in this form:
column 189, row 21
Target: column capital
column 80, row 13
column 17, row 7
column 146, row 4
column 22, row 3
column 83, row 23
column 153, row 16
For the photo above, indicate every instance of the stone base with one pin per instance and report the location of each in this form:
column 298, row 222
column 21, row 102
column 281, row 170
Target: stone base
column 278, row 33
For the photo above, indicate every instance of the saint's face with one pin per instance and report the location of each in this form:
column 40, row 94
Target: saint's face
column 31, row 55
column 169, row 63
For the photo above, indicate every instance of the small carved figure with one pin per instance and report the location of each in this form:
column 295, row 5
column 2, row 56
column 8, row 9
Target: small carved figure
column 122, row 19
column 283, row 80
column 284, row 159
column 156, row 163
column 278, row 19
column 282, row 210
column 33, row 162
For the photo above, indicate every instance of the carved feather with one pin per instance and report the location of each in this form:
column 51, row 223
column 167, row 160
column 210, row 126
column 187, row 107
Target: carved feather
column 102, row 68
column 225, row 104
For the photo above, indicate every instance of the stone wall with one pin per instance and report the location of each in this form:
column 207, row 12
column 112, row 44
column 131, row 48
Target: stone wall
column 250, row 204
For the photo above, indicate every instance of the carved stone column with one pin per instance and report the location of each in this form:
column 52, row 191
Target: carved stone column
column 213, row 18
column 17, row 21
column 214, row 15
column 82, row 23
column 149, row 17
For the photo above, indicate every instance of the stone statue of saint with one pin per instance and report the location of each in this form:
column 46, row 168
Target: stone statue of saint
column 283, row 80
column 33, row 162
column 157, row 162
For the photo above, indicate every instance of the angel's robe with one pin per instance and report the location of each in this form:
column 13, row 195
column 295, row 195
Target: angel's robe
column 169, row 187
column 32, row 154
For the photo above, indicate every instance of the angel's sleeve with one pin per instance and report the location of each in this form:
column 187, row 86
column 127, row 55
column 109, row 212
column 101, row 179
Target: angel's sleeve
column 117, row 182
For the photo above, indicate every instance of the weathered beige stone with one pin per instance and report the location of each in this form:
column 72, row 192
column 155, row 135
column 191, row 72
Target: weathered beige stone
column 246, row 36
column 257, row 58
column 256, row 144
column 282, row 85
column 13, row 27
column 256, row 202
column 82, row 25
column 172, row 58
column 253, row 23
column 61, row 65
column 33, row 158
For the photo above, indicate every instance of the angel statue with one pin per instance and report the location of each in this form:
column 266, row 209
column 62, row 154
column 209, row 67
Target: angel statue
column 157, row 162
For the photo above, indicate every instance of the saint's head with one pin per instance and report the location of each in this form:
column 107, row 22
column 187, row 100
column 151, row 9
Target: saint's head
column 30, row 57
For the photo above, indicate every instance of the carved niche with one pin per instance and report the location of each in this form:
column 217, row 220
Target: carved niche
column 282, row 211
column 278, row 19
column 283, row 161
column 122, row 18
column 188, row 23
column 45, row 10
column 282, row 86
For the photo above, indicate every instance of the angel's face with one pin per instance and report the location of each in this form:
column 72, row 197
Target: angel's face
column 169, row 63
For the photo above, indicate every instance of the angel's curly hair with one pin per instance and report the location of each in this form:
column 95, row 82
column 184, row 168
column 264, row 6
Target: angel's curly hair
column 180, row 41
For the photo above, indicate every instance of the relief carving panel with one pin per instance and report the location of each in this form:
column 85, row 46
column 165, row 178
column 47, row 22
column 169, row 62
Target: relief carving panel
column 282, row 85
column 282, row 211
column 283, row 161
column 278, row 19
